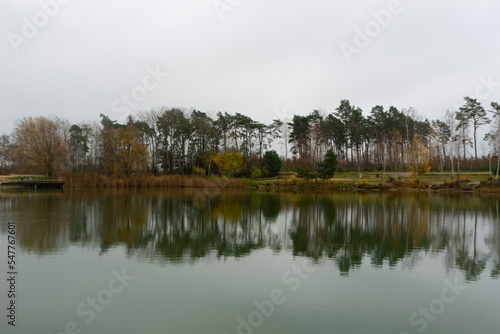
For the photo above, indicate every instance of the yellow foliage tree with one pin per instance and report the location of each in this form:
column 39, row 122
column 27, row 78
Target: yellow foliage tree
column 229, row 162
column 418, row 158
column 131, row 153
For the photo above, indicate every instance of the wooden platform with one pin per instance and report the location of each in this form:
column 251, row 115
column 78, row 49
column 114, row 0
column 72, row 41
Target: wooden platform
column 36, row 182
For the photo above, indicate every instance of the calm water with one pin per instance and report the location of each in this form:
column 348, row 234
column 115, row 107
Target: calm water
column 130, row 261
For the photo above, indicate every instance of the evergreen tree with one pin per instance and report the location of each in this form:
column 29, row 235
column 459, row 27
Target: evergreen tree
column 272, row 163
column 328, row 167
column 473, row 111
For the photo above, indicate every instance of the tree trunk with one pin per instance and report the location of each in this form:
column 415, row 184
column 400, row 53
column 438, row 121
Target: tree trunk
column 383, row 161
column 498, row 165
column 475, row 147
column 464, row 145
column 451, row 161
column 442, row 169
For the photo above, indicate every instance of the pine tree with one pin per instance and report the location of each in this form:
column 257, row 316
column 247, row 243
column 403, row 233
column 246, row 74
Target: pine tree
column 328, row 167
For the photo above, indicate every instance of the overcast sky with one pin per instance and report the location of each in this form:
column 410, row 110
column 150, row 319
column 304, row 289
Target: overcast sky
column 263, row 58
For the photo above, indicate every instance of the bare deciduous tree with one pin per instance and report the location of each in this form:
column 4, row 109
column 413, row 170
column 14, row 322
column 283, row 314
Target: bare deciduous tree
column 41, row 145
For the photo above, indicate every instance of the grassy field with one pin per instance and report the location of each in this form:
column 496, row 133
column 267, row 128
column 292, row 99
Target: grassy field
column 373, row 177
column 373, row 181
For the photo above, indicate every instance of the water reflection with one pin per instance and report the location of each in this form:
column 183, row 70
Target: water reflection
column 185, row 225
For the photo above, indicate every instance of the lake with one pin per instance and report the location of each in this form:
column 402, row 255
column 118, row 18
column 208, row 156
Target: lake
column 209, row 261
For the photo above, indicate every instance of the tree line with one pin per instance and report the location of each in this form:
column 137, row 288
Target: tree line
column 177, row 141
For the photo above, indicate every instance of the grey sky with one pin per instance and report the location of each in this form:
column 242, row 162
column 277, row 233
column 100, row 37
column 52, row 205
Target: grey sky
column 266, row 59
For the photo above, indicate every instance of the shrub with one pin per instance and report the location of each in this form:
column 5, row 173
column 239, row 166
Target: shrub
column 418, row 184
column 198, row 171
column 361, row 184
column 304, row 173
column 256, row 173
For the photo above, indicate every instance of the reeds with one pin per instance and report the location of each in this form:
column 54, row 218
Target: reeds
column 164, row 181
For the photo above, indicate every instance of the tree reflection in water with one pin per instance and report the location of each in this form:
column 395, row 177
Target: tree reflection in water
column 185, row 225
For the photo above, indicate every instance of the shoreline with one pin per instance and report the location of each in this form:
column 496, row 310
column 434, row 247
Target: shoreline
column 76, row 181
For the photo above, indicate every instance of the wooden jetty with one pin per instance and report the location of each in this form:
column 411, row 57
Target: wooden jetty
column 32, row 181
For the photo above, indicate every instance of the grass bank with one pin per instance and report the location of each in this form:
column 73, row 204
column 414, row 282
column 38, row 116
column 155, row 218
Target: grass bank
column 373, row 181
column 342, row 182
